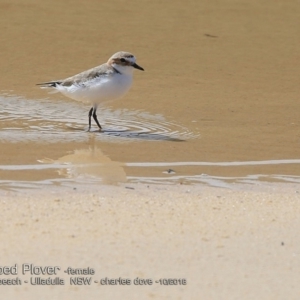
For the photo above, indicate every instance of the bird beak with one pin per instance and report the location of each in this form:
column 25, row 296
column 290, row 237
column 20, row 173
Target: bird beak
column 136, row 66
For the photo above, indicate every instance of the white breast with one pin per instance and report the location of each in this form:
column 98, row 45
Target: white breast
column 100, row 89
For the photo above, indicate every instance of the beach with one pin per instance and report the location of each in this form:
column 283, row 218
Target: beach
column 225, row 243
column 191, row 190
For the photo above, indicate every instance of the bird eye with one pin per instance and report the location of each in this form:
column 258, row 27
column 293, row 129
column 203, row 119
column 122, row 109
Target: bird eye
column 122, row 60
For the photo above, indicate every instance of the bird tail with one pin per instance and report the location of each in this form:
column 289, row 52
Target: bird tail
column 50, row 84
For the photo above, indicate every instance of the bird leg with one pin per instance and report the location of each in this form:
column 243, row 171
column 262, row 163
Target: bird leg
column 95, row 117
column 90, row 116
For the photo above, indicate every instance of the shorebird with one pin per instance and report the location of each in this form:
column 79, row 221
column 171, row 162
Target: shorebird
column 106, row 82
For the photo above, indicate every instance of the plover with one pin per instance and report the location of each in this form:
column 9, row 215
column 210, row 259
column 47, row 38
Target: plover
column 106, row 82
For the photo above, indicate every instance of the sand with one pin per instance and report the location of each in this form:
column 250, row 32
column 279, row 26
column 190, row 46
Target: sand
column 226, row 244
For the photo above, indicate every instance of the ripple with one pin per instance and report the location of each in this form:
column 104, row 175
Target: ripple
column 88, row 170
column 230, row 182
column 52, row 121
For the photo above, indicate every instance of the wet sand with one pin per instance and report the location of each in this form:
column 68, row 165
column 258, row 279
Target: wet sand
column 220, row 86
column 228, row 71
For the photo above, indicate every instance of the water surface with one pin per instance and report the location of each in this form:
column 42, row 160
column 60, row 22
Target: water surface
column 218, row 101
column 40, row 123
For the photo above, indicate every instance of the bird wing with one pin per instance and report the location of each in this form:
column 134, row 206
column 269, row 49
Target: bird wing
column 82, row 78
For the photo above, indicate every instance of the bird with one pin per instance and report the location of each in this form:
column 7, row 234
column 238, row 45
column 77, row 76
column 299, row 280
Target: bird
column 100, row 84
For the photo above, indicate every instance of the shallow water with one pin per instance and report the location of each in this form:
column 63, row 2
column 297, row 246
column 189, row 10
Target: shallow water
column 42, row 122
column 218, row 102
column 66, row 121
